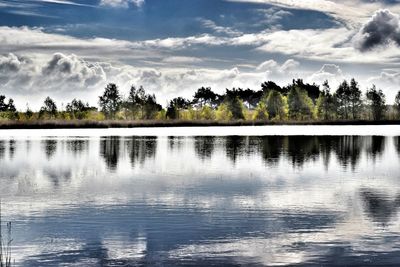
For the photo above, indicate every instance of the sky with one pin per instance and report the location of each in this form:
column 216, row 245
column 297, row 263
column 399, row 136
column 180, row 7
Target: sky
column 72, row 48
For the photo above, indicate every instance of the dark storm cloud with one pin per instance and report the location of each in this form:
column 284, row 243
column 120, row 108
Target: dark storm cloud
column 382, row 29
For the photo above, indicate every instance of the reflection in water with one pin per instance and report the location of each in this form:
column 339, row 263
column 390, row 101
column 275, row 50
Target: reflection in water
column 376, row 146
column 381, row 207
column 348, row 149
column 50, row 147
column 204, row 146
column 109, row 151
column 77, row 146
column 203, row 201
column 11, row 148
column 175, row 142
column 2, row 148
column 140, row 149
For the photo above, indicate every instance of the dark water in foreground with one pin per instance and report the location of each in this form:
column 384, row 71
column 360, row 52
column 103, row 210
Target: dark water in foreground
column 203, row 201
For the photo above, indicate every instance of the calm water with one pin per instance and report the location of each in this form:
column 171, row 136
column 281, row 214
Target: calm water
column 202, row 200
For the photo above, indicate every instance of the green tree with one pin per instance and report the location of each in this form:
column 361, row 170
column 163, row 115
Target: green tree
column 223, row 113
column 376, row 102
column 207, row 113
column 175, row 106
column 261, row 112
column 276, row 105
column 134, row 102
column 355, row 99
column 77, row 109
column 150, row 107
column 110, row 102
column 300, row 104
column 49, row 108
column 325, row 103
column 342, row 96
column 234, row 104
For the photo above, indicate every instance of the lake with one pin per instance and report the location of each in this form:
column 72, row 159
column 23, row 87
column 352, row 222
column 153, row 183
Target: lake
column 232, row 196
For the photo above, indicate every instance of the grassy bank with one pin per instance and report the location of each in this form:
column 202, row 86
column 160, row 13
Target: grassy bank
column 61, row 124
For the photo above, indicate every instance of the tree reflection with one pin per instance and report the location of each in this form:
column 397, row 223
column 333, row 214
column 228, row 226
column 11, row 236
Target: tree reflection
column 301, row 149
column 77, row 146
column 348, row 150
column 59, row 177
column 397, row 143
column 271, row 148
column 2, row 149
column 379, row 206
column 376, row 146
column 175, row 142
column 234, row 147
column 298, row 149
column 141, row 148
column 204, row 146
column 109, row 151
column 50, row 147
column 11, row 148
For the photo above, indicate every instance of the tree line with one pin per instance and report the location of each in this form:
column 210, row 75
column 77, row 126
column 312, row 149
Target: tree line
column 298, row 101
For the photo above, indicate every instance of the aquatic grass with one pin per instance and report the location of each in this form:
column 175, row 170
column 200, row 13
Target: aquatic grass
column 5, row 244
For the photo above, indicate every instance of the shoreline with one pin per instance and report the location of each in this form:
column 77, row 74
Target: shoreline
column 84, row 124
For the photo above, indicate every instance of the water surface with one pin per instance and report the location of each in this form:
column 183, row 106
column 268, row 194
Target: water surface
column 96, row 199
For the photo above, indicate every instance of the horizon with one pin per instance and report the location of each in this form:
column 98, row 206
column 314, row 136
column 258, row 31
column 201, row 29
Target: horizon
column 73, row 49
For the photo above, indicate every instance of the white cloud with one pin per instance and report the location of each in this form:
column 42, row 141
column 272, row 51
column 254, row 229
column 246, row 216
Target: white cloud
column 209, row 24
column 330, row 72
column 389, row 82
column 121, row 3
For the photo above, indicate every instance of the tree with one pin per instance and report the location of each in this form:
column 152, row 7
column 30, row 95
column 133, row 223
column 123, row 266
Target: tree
column 7, row 107
column 77, row 109
column 266, row 87
column 325, row 103
column 175, row 105
column 355, row 99
column 110, row 102
column 276, row 105
column 3, row 104
column 342, row 96
column 312, row 90
column 261, row 112
column 150, row 107
column 49, row 108
column 397, row 104
column 205, row 96
column 234, row 104
column 134, row 102
column 300, row 104
column 207, row 113
column 377, row 102
column 223, row 113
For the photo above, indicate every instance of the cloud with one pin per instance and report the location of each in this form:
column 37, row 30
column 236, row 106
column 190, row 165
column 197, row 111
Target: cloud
column 182, row 59
column 122, row 3
column 330, row 72
column 382, row 29
column 64, row 77
column 209, row 24
column 350, row 12
column 279, row 73
column 389, row 82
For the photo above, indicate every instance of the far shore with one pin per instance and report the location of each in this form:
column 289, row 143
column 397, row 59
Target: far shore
column 87, row 124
